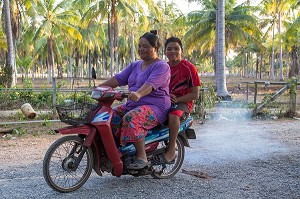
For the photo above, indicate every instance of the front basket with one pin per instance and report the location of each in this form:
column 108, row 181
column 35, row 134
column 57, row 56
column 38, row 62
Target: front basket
column 76, row 113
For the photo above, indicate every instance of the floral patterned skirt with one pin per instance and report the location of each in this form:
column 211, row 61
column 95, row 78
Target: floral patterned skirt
column 132, row 126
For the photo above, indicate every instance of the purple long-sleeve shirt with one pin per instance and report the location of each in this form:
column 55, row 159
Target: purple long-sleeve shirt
column 158, row 76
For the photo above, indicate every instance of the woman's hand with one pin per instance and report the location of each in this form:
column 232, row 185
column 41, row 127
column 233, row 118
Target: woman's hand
column 173, row 99
column 134, row 96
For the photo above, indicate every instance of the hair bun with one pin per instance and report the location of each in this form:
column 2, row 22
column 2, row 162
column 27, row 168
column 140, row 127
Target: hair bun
column 153, row 32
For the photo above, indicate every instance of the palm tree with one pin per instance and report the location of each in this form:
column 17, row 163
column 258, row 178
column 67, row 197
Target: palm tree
column 121, row 8
column 168, row 20
column 11, row 58
column 273, row 10
column 220, row 53
column 292, row 42
column 56, row 21
column 112, row 10
column 240, row 27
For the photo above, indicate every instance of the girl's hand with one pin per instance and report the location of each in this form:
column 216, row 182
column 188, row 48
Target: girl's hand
column 173, row 98
column 134, row 96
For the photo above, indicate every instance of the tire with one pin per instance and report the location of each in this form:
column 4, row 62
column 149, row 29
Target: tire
column 57, row 165
column 171, row 169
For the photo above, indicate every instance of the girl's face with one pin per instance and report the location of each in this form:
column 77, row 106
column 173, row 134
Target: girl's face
column 173, row 51
column 145, row 50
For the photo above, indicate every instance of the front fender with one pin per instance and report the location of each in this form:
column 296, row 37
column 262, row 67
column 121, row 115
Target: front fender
column 82, row 129
column 85, row 130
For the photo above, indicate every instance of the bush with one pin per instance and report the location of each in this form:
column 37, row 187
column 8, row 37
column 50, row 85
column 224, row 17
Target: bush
column 5, row 76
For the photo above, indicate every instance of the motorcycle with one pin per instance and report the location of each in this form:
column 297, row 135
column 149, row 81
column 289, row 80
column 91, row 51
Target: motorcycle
column 70, row 160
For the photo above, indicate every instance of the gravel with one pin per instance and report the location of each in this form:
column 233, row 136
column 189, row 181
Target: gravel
column 238, row 159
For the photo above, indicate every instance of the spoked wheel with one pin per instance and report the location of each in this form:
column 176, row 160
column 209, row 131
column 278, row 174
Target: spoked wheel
column 169, row 170
column 59, row 169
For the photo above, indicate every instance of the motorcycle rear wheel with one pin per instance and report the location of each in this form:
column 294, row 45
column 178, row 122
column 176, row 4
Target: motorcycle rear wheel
column 58, row 163
column 171, row 169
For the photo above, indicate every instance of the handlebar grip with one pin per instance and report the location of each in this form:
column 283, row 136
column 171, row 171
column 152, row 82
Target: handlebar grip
column 125, row 95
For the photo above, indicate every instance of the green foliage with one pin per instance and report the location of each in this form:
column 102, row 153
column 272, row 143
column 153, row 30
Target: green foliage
column 209, row 99
column 19, row 131
column 27, row 95
column 46, row 122
column 5, row 76
column 210, row 96
column 293, row 85
column 14, row 98
column 251, row 105
column 13, row 95
column 51, row 132
column 17, row 116
column 61, row 84
column 267, row 98
column 45, row 97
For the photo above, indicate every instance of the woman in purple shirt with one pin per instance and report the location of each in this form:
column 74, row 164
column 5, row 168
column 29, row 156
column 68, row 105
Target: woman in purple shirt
column 149, row 100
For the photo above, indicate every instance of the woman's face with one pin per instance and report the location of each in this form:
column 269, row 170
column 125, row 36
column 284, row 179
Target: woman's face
column 145, row 50
column 173, row 51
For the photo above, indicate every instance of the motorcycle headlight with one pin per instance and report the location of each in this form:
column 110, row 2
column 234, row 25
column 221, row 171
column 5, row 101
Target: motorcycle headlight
column 96, row 94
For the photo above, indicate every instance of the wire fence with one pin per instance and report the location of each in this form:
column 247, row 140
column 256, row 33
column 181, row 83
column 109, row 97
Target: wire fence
column 46, row 99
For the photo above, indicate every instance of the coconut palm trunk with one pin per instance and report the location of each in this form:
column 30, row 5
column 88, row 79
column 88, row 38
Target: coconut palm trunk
column 10, row 63
column 132, row 47
column 280, row 47
column 221, row 77
column 51, row 56
column 272, row 75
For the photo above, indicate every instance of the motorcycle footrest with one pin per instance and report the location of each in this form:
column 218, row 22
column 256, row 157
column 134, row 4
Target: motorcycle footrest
column 190, row 134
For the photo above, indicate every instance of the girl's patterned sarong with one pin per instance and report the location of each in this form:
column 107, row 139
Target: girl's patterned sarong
column 132, row 126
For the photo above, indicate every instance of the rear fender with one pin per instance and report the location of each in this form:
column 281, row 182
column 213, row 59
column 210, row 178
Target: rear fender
column 187, row 134
column 183, row 137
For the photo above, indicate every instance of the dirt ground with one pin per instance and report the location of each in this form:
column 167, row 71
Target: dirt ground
column 242, row 158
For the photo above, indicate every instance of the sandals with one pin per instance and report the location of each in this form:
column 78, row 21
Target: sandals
column 160, row 159
column 137, row 164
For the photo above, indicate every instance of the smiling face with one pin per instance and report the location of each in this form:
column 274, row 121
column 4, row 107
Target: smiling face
column 173, row 52
column 145, row 50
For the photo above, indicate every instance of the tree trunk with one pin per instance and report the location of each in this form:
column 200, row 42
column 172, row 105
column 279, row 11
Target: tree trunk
column 51, row 56
column 245, row 64
column 116, row 41
column 48, row 71
column 261, row 65
column 77, row 57
column 81, row 69
column 111, row 31
column 70, row 68
column 256, row 65
column 286, row 58
column 10, row 63
column 89, row 66
column 111, row 44
column 294, row 71
column 216, row 49
column 221, row 87
column 280, row 48
column 132, row 46
column 272, row 76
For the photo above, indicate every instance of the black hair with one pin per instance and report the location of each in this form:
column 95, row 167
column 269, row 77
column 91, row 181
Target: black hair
column 173, row 39
column 152, row 38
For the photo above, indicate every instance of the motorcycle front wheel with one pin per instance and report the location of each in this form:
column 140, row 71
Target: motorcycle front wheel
column 169, row 170
column 58, row 166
